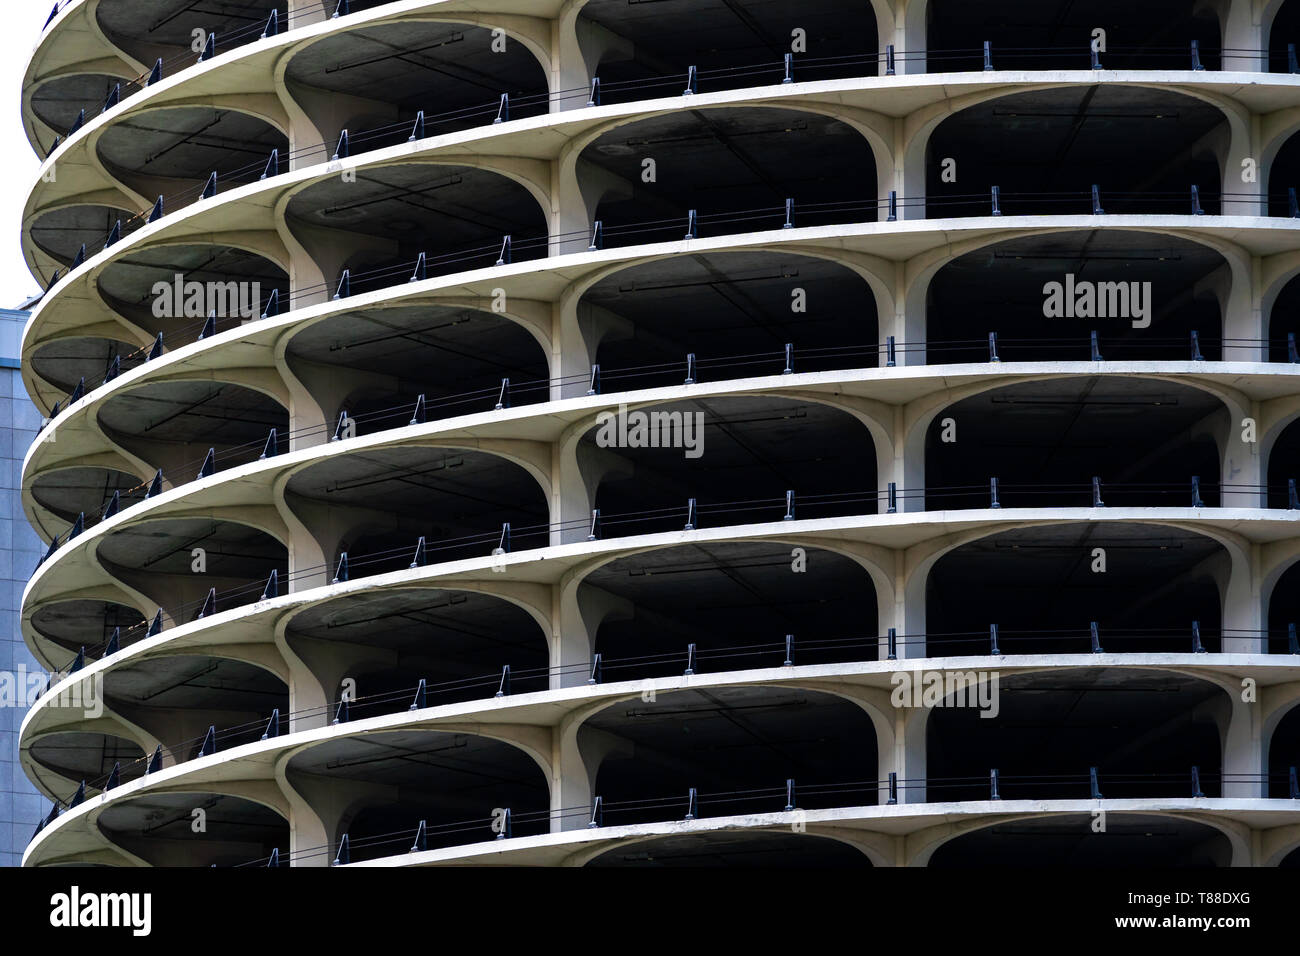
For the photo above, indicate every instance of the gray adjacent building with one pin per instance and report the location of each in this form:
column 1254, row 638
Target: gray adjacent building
column 20, row 805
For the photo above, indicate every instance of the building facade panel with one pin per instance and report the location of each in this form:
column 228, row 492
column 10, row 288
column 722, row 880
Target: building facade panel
column 728, row 431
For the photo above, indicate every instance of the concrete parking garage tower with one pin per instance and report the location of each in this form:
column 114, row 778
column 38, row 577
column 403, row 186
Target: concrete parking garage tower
column 701, row 432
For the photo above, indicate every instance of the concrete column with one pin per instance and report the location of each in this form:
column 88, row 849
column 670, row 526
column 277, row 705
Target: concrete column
column 330, row 113
column 569, row 68
column 320, row 256
column 1243, row 465
column 570, row 353
column 323, row 532
column 910, row 609
column 910, row 470
column 322, row 808
column 894, row 738
column 303, row 131
column 575, row 478
column 577, row 50
column 317, row 671
column 910, row 316
column 1239, row 718
column 307, row 832
column 891, row 460
column 1242, row 600
column 1245, row 180
column 577, row 188
column 307, row 557
column 578, row 331
column 903, row 24
column 308, row 420
column 908, row 149
column 331, row 386
column 577, row 472
column 1236, row 286
column 1244, row 34
column 309, row 701
column 572, row 782
column 572, row 495
column 576, row 760
column 582, row 609
column 904, row 753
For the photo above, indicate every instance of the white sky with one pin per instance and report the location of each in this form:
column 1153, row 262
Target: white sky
column 18, row 163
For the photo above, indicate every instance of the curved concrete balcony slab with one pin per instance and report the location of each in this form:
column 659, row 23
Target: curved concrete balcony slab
column 528, row 722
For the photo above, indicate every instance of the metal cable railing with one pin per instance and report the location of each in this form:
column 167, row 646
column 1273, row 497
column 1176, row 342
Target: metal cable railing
column 504, row 394
column 504, row 253
column 995, row 202
column 490, row 112
column 993, row 642
column 986, row 57
column 779, row 803
column 1195, row 494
